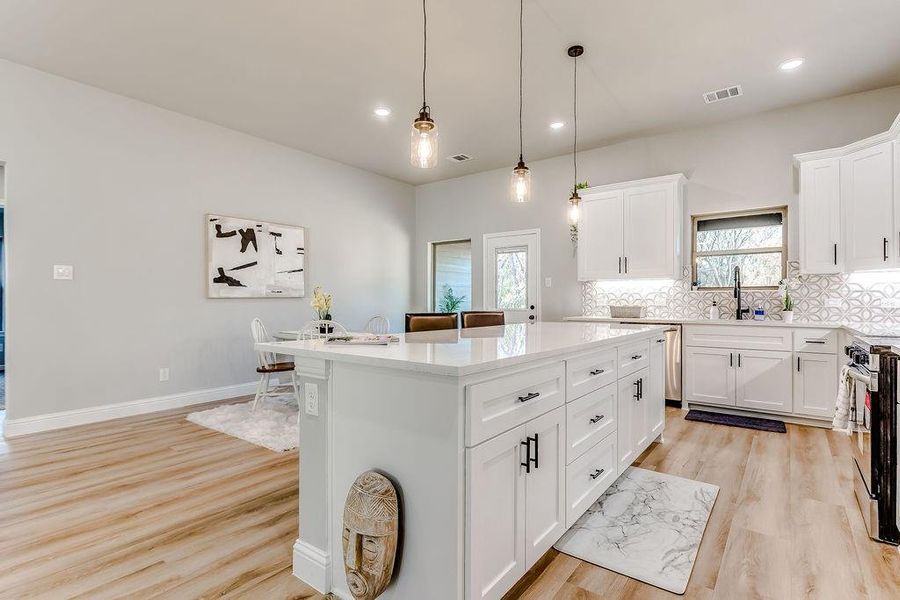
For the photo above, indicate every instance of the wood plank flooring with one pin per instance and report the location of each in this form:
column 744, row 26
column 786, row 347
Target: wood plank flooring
column 785, row 524
column 156, row 507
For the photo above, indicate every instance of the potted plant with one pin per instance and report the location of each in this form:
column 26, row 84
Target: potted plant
column 322, row 303
column 787, row 309
column 449, row 302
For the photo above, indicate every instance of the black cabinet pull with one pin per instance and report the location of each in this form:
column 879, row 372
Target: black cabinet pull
column 739, row 359
column 527, row 463
column 597, row 473
column 731, row 359
column 596, row 372
column 641, row 388
column 597, row 419
column 835, row 254
column 626, row 264
column 620, row 265
column 884, row 246
column 636, row 356
column 798, row 364
column 528, row 397
column 637, row 387
column 537, row 453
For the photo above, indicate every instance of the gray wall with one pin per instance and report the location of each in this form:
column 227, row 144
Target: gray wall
column 119, row 189
column 744, row 163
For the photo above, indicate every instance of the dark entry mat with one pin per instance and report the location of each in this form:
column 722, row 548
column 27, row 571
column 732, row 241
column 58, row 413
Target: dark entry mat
column 705, row 416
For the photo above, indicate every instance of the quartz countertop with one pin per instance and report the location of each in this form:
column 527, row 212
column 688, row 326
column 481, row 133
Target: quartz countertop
column 467, row 351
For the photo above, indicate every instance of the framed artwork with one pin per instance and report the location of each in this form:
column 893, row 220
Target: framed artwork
column 254, row 259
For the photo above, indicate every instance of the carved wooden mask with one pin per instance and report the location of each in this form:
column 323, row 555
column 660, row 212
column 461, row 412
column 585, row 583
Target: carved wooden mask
column 371, row 528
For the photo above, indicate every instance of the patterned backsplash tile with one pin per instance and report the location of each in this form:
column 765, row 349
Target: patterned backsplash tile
column 869, row 298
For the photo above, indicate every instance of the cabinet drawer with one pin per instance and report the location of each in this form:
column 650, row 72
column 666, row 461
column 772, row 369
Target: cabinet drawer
column 633, row 357
column 743, row 337
column 821, row 341
column 588, row 477
column 590, row 372
column 500, row 404
column 590, row 419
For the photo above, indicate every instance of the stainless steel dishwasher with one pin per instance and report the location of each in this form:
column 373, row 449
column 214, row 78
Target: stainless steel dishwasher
column 673, row 358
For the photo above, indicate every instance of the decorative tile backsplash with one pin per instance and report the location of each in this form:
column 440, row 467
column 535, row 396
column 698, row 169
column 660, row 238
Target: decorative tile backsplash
column 862, row 298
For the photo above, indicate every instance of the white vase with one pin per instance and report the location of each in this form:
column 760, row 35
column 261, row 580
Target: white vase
column 787, row 316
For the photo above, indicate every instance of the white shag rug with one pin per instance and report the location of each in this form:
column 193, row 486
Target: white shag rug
column 273, row 425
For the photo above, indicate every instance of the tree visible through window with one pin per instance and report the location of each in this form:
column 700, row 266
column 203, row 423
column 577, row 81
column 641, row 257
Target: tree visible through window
column 754, row 241
column 512, row 279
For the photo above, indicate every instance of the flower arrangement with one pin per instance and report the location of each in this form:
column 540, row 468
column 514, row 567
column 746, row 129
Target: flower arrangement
column 321, row 303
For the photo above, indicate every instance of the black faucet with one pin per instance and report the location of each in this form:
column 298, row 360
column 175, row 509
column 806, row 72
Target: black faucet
column 740, row 312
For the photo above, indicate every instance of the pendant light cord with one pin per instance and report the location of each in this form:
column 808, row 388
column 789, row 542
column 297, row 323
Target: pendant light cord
column 521, row 52
column 575, row 127
column 424, row 51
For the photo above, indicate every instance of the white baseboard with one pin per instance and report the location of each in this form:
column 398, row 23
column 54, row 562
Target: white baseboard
column 95, row 414
column 313, row 566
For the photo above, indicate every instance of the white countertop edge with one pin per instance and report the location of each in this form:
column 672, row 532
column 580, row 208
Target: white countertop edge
column 323, row 352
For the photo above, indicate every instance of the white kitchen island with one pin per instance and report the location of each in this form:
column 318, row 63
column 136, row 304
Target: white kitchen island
column 497, row 438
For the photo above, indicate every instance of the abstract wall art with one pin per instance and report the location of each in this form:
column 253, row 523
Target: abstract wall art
column 254, row 259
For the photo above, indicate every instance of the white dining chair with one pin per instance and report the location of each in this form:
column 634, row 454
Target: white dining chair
column 312, row 330
column 378, row 325
column 267, row 365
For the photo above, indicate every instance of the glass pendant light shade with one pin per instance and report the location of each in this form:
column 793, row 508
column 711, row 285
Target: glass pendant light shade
column 574, row 213
column 520, row 183
column 423, row 142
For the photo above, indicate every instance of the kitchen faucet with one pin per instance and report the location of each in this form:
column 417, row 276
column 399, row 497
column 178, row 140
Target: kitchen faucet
column 739, row 313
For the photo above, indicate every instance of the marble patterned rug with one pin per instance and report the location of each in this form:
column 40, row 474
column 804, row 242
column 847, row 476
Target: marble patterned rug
column 647, row 526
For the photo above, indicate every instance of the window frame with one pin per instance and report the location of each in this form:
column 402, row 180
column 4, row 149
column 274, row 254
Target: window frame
column 695, row 219
column 432, row 296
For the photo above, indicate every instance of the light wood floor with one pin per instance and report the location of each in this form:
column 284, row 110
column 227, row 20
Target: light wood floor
column 156, row 507
column 785, row 524
column 146, row 507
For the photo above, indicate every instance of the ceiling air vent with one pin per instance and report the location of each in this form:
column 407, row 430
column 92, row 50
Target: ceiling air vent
column 460, row 157
column 724, row 94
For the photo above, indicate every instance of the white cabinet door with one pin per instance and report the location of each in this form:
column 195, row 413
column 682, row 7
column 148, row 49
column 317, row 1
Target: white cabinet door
column 655, row 396
column 640, row 416
column 763, row 380
column 867, row 198
column 600, row 237
column 545, row 485
column 815, row 384
column 649, row 232
column 495, row 527
column 820, row 216
column 625, row 414
column 709, row 375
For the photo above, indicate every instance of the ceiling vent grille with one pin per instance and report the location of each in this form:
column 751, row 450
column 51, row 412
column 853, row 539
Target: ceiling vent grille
column 460, row 157
column 724, row 94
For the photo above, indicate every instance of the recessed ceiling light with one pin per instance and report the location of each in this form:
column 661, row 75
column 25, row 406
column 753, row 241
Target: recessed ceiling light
column 790, row 65
column 382, row 111
column 557, row 125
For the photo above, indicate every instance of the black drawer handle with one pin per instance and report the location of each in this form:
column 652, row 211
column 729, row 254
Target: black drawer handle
column 528, row 397
column 597, row 419
column 637, row 356
column 597, row 473
column 596, row 372
column 814, row 341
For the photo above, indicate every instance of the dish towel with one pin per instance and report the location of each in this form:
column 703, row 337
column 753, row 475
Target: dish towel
column 841, row 420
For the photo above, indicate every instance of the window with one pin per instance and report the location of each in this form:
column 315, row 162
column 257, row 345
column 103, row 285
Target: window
column 512, row 278
column 451, row 276
column 755, row 241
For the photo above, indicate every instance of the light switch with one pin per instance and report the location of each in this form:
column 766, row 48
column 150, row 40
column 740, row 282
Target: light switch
column 547, row 282
column 62, row 272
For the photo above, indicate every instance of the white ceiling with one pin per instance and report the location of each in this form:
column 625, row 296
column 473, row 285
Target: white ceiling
column 307, row 74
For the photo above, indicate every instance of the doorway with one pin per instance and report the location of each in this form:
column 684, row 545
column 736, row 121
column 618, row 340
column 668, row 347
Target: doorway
column 512, row 274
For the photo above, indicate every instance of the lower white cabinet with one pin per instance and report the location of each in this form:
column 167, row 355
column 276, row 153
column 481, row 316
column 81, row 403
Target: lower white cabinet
column 709, row 376
column 815, row 384
column 656, row 394
column 589, row 476
column 519, row 511
column 763, row 380
column 632, row 432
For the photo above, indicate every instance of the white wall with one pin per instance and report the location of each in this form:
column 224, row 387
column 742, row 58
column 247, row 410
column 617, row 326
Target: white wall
column 738, row 164
column 119, row 189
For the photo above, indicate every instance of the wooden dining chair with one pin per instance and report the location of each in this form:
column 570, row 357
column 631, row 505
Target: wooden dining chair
column 482, row 318
column 267, row 365
column 378, row 325
column 312, row 330
column 431, row 321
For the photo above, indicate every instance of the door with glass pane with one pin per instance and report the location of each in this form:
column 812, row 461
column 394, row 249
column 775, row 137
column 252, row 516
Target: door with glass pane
column 512, row 275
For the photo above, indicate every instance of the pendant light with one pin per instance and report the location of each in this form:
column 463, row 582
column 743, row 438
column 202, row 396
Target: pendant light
column 575, row 199
column 423, row 143
column 520, row 180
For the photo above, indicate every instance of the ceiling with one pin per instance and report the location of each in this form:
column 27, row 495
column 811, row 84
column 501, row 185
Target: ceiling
column 308, row 74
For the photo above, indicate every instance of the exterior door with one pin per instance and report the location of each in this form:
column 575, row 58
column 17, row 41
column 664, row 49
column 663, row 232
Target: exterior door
column 545, row 485
column 496, row 508
column 820, row 216
column 763, row 380
column 601, row 237
column 649, row 232
column 867, row 197
column 709, row 375
column 512, row 273
column 815, row 384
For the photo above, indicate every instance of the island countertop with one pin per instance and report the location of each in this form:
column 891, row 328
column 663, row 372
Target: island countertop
column 467, row 351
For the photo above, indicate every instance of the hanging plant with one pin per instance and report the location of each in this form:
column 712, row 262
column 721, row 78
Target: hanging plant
column 573, row 228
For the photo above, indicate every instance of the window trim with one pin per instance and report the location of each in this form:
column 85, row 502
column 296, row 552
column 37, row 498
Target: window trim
column 740, row 213
column 431, row 293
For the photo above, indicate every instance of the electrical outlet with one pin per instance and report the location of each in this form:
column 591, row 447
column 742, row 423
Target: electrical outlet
column 548, row 282
column 311, row 393
column 63, row 272
column 164, row 374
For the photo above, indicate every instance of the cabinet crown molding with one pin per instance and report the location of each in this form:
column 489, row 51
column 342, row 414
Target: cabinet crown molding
column 673, row 178
column 886, row 136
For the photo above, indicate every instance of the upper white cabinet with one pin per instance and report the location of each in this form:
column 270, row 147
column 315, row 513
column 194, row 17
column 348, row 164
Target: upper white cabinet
column 850, row 206
column 631, row 230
